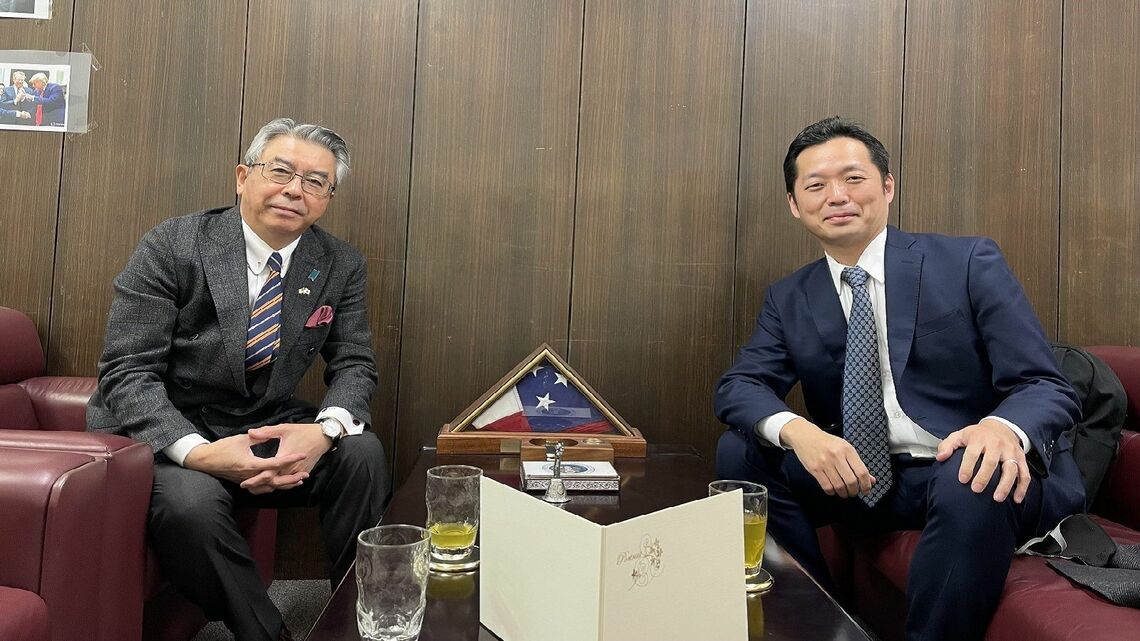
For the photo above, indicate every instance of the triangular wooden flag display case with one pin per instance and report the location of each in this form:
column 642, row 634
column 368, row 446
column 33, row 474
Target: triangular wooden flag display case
column 542, row 398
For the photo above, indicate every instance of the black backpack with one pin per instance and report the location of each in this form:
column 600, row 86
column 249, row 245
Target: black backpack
column 1104, row 405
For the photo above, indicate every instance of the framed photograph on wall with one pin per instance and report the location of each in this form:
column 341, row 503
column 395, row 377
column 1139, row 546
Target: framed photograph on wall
column 38, row 9
column 542, row 397
column 44, row 90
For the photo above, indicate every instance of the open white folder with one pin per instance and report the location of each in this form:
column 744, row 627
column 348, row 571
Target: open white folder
column 549, row 575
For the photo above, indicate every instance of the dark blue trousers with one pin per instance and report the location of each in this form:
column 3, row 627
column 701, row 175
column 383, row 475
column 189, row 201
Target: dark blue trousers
column 962, row 559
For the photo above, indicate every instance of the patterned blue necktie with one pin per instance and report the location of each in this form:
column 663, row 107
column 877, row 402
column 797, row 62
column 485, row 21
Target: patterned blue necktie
column 264, row 334
column 864, row 419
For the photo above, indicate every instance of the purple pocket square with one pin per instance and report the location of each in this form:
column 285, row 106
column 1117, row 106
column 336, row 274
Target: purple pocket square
column 323, row 316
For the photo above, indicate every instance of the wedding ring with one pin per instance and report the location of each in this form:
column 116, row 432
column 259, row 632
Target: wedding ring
column 1009, row 460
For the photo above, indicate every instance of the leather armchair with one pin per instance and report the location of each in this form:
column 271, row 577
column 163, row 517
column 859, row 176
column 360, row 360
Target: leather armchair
column 75, row 564
column 1037, row 603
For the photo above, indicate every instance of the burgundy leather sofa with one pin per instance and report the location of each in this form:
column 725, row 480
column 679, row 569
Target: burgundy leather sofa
column 74, row 564
column 1038, row 603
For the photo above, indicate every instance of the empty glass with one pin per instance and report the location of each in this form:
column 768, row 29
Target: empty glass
column 391, row 582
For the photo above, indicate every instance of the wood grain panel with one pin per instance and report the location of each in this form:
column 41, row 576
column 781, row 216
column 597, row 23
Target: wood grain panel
column 167, row 105
column 352, row 70
column 491, row 215
column 804, row 62
column 653, row 248
column 1100, row 174
column 981, row 136
column 30, row 163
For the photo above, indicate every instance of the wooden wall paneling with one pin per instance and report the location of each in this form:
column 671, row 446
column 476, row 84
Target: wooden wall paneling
column 30, row 163
column 653, row 248
column 490, row 225
column 804, row 62
column 167, row 107
column 1100, row 174
column 352, row 70
column 981, row 135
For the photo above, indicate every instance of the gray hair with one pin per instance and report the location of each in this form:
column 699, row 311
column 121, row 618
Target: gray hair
column 316, row 134
column 19, row 75
column 42, row 77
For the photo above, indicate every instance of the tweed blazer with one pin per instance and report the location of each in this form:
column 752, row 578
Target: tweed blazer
column 173, row 358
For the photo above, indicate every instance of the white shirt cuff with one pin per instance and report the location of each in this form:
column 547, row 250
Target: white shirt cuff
column 178, row 450
column 348, row 423
column 769, row 428
column 1021, row 436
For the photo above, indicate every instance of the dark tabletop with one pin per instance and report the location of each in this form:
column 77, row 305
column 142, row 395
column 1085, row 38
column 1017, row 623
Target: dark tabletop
column 796, row 608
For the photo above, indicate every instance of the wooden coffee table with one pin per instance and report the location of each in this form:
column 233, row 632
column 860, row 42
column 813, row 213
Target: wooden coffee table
column 796, row 608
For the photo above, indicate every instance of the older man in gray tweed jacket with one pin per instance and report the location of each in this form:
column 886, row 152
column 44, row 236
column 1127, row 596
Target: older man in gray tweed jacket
column 216, row 317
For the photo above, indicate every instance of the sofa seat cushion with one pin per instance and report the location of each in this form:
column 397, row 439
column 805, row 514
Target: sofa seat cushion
column 1038, row 603
column 23, row 616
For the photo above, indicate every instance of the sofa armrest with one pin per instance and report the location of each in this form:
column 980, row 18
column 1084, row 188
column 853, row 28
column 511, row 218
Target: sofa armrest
column 53, row 504
column 60, row 402
column 124, row 498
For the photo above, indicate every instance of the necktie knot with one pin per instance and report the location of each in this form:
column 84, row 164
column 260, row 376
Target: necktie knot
column 854, row 276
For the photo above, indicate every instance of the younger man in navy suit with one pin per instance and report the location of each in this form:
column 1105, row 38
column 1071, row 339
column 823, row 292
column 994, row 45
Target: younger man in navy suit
column 934, row 399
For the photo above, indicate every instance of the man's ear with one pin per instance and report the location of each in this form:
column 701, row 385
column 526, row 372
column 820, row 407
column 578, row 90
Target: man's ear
column 889, row 188
column 792, row 205
column 241, row 172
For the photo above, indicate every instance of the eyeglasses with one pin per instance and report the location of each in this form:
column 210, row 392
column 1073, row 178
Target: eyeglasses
column 312, row 184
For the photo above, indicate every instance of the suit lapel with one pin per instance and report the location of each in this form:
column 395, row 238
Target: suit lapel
column 308, row 273
column 903, row 268
column 826, row 312
column 223, row 259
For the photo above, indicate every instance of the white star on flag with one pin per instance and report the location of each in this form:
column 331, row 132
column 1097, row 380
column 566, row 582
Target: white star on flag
column 544, row 402
column 561, row 380
column 535, row 370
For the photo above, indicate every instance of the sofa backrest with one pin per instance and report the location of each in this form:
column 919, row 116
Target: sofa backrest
column 22, row 358
column 20, row 344
column 29, row 400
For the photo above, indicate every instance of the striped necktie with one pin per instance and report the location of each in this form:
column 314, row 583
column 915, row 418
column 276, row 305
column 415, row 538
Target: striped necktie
column 864, row 419
column 264, row 334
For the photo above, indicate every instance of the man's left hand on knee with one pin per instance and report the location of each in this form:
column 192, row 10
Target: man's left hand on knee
column 990, row 447
column 296, row 438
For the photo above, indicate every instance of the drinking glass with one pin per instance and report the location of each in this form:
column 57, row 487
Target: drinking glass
column 453, row 513
column 754, row 501
column 391, row 582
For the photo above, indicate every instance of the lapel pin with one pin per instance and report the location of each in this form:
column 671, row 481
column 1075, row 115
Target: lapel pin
column 313, row 275
column 304, row 291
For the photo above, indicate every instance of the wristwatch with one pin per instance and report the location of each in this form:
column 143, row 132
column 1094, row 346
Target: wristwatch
column 332, row 428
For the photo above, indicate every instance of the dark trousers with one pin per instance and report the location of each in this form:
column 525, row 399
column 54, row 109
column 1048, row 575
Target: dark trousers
column 959, row 567
column 202, row 553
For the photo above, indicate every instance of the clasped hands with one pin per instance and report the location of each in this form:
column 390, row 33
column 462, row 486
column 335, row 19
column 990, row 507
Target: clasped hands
column 990, row 447
column 232, row 459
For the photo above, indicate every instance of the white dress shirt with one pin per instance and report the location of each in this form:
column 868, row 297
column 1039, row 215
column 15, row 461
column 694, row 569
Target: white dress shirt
column 904, row 436
column 257, row 253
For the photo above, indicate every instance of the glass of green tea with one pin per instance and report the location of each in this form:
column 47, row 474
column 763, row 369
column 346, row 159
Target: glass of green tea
column 754, row 501
column 453, row 514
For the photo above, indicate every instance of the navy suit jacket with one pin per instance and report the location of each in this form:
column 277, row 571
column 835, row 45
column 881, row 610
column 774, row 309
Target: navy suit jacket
column 964, row 344
column 53, row 101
